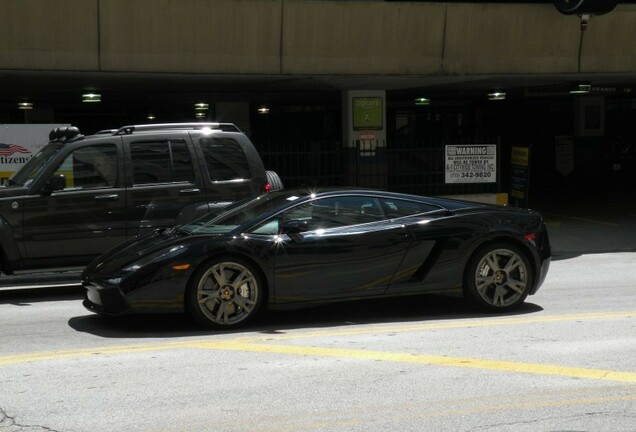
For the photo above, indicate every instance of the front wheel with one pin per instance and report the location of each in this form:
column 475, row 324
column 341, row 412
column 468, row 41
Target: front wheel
column 498, row 277
column 225, row 293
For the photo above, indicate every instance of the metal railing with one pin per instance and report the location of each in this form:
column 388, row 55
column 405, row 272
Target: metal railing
column 409, row 167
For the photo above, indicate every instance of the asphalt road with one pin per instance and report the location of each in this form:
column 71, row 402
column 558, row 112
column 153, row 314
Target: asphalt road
column 563, row 362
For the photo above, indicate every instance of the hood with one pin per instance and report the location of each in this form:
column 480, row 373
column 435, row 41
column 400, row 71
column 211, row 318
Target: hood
column 12, row 191
column 113, row 261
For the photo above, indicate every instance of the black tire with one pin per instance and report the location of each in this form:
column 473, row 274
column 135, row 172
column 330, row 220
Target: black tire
column 498, row 277
column 225, row 293
column 274, row 180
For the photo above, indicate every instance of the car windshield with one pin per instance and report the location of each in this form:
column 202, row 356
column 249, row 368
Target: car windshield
column 237, row 214
column 25, row 175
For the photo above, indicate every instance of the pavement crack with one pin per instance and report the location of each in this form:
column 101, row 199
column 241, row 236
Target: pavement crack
column 9, row 424
column 512, row 425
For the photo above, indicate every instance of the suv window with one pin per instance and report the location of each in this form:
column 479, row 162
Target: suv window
column 90, row 166
column 161, row 162
column 224, row 159
column 35, row 165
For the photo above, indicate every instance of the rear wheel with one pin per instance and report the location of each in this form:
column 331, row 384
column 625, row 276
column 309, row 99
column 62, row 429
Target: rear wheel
column 498, row 277
column 225, row 293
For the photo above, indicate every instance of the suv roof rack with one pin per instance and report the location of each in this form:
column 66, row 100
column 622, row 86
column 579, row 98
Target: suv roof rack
column 65, row 134
column 106, row 132
column 128, row 130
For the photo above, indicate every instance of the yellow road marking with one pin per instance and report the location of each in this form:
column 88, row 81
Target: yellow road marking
column 531, row 368
column 253, row 345
column 87, row 352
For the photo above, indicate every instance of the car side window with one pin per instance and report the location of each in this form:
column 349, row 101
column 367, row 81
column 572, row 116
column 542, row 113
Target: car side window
column 90, row 167
column 161, row 162
column 224, row 159
column 395, row 208
column 335, row 212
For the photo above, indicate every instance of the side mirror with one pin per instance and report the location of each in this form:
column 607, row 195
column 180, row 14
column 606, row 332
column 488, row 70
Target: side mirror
column 295, row 228
column 54, row 183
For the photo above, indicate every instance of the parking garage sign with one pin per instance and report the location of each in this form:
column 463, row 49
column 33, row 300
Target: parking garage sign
column 471, row 163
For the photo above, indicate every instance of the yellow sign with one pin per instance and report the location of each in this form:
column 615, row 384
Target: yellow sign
column 520, row 156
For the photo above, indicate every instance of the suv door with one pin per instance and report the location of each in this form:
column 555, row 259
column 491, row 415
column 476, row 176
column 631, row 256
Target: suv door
column 70, row 226
column 162, row 180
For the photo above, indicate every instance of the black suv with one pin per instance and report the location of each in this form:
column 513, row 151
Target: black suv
column 81, row 195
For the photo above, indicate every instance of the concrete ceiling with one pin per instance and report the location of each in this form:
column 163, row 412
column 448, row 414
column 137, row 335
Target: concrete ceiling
column 67, row 87
column 124, row 93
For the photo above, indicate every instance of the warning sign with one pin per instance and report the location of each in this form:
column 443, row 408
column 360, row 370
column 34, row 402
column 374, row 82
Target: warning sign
column 471, row 163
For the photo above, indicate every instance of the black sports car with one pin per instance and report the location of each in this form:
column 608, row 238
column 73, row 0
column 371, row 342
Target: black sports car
column 292, row 248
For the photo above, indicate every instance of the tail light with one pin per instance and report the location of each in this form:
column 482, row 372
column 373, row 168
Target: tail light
column 267, row 188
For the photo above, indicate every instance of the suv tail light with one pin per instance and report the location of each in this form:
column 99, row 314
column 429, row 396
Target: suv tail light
column 267, row 188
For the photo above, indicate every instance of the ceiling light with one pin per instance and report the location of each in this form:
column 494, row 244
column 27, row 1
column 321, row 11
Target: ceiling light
column 581, row 88
column 201, row 106
column 25, row 105
column 421, row 101
column 263, row 109
column 151, row 117
column 497, row 96
column 199, row 115
column 91, row 97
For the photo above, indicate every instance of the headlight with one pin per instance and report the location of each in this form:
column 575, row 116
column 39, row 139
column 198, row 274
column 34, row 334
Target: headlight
column 160, row 255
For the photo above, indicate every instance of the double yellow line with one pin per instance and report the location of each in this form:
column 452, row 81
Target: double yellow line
column 264, row 344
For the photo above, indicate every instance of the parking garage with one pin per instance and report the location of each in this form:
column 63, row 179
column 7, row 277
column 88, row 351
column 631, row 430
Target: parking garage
column 448, row 73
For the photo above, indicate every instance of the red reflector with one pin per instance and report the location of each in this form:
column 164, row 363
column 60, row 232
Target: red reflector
column 267, row 188
column 530, row 237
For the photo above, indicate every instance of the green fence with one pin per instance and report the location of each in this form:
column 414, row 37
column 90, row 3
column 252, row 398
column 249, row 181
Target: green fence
column 409, row 167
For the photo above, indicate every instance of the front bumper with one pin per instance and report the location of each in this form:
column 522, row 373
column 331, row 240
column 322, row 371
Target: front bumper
column 106, row 300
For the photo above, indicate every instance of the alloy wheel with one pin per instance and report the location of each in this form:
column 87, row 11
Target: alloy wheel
column 502, row 278
column 227, row 293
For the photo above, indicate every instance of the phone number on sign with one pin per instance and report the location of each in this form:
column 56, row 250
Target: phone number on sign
column 471, row 175
column 476, row 174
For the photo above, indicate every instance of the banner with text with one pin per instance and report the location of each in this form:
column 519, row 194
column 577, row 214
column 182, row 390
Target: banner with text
column 19, row 143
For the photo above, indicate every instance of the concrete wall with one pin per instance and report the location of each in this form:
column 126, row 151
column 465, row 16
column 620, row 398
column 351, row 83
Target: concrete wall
column 609, row 43
column 508, row 39
column 212, row 36
column 310, row 37
column 357, row 37
column 49, row 34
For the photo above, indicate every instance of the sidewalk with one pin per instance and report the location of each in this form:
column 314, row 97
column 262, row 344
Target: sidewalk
column 592, row 222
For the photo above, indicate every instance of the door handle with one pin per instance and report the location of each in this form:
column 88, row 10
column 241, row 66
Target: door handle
column 189, row 191
column 107, row 197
